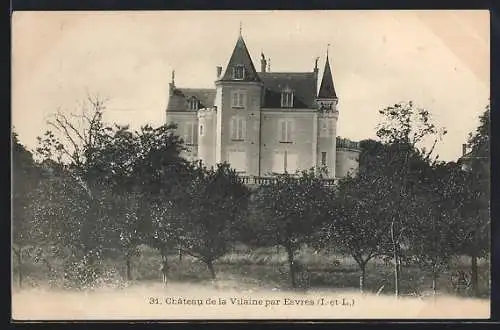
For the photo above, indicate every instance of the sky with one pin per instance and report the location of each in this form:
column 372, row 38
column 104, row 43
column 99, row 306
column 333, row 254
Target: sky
column 438, row 59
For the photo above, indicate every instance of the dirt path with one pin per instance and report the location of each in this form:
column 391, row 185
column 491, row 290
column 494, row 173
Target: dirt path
column 196, row 301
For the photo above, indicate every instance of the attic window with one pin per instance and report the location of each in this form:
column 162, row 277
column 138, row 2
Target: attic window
column 239, row 72
column 193, row 104
column 287, row 99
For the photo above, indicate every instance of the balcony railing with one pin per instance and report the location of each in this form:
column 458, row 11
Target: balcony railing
column 260, row 180
column 348, row 144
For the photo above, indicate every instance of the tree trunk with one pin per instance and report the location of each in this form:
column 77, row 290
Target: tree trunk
column 289, row 252
column 180, row 252
column 127, row 265
column 474, row 276
column 396, row 261
column 362, row 277
column 210, row 265
column 434, row 282
column 19, row 268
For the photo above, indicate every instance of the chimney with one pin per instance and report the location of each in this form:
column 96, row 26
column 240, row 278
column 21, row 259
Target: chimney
column 316, row 70
column 219, row 71
column 171, row 85
column 263, row 63
column 464, row 149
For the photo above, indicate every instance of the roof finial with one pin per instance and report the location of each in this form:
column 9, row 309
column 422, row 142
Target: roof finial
column 327, row 49
column 240, row 28
column 173, row 76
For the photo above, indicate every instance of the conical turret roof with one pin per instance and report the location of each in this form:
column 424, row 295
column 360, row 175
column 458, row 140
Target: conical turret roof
column 327, row 89
column 241, row 57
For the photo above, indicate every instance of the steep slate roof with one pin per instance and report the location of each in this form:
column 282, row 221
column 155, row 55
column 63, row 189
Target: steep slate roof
column 326, row 89
column 179, row 96
column 241, row 56
column 303, row 84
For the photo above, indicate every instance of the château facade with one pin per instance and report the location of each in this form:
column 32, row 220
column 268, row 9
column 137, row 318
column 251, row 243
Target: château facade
column 263, row 123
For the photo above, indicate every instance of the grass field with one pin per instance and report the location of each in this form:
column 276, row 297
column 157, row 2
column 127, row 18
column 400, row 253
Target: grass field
column 267, row 269
column 260, row 274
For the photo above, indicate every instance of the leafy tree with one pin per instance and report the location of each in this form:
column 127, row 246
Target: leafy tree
column 25, row 175
column 212, row 209
column 358, row 224
column 432, row 234
column 473, row 198
column 405, row 127
column 287, row 212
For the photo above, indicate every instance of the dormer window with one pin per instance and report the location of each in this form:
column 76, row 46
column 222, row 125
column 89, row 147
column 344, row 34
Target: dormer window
column 239, row 72
column 287, row 99
column 193, row 104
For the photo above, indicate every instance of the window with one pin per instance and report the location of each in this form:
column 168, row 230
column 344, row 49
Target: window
column 327, row 128
column 285, row 162
column 193, row 104
column 285, row 130
column 238, row 128
column 237, row 161
column 287, row 99
column 239, row 99
column 323, row 158
column 191, row 134
column 239, row 72
column 201, row 130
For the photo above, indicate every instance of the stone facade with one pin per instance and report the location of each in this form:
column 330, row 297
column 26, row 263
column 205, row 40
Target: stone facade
column 264, row 122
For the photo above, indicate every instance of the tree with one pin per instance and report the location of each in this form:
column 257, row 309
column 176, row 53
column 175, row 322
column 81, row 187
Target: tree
column 474, row 198
column 404, row 128
column 212, row 209
column 287, row 212
column 25, row 176
column 358, row 224
column 432, row 234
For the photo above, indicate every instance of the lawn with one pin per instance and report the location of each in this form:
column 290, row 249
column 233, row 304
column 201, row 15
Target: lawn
column 266, row 268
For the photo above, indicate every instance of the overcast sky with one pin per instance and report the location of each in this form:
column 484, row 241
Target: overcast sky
column 438, row 59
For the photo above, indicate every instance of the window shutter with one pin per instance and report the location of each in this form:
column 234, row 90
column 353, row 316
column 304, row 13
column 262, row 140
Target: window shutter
column 242, row 128
column 279, row 162
column 282, row 130
column 289, row 129
column 233, row 128
column 235, row 99
column 242, row 100
column 291, row 163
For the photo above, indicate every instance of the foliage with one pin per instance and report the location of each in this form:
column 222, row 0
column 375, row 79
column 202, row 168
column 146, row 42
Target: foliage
column 287, row 212
column 213, row 207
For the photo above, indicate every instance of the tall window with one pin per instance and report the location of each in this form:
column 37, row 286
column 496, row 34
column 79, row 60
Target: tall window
column 239, row 72
column 191, row 134
column 285, row 130
column 201, row 130
column 323, row 158
column 238, row 99
column 287, row 99
column 193, row 104
column 237, row 160
column 285, row 162
column 238, row 128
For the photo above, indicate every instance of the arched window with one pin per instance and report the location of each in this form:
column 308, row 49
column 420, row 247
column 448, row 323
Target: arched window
column 193, row 104
column 239, row 72
column 287, row 98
